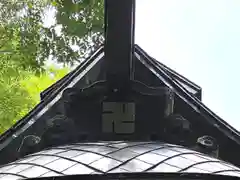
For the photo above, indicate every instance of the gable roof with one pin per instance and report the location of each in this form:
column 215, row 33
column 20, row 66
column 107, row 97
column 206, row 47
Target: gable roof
column 188, row 94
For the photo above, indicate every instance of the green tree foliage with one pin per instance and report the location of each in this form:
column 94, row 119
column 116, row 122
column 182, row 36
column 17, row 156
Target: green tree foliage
column 26, row 42
column 20, row 25
column 34, row 84
column 20, row 90
column 13, row 98
column 30, row 42
column 81, row 25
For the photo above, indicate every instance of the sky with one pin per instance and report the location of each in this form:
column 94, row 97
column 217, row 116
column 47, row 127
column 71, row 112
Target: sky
column 200, row 39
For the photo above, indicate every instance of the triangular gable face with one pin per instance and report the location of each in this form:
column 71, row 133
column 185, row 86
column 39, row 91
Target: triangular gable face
column 163, row 110
column 139, row 75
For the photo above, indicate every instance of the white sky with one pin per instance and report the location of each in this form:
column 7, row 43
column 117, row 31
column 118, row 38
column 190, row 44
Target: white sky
column 200, row 39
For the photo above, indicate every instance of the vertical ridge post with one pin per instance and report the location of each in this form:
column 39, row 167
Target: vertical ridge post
column 119, row 42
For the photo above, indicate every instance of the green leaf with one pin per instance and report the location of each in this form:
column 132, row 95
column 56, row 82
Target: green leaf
column 30, row 5
column 54, row 3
